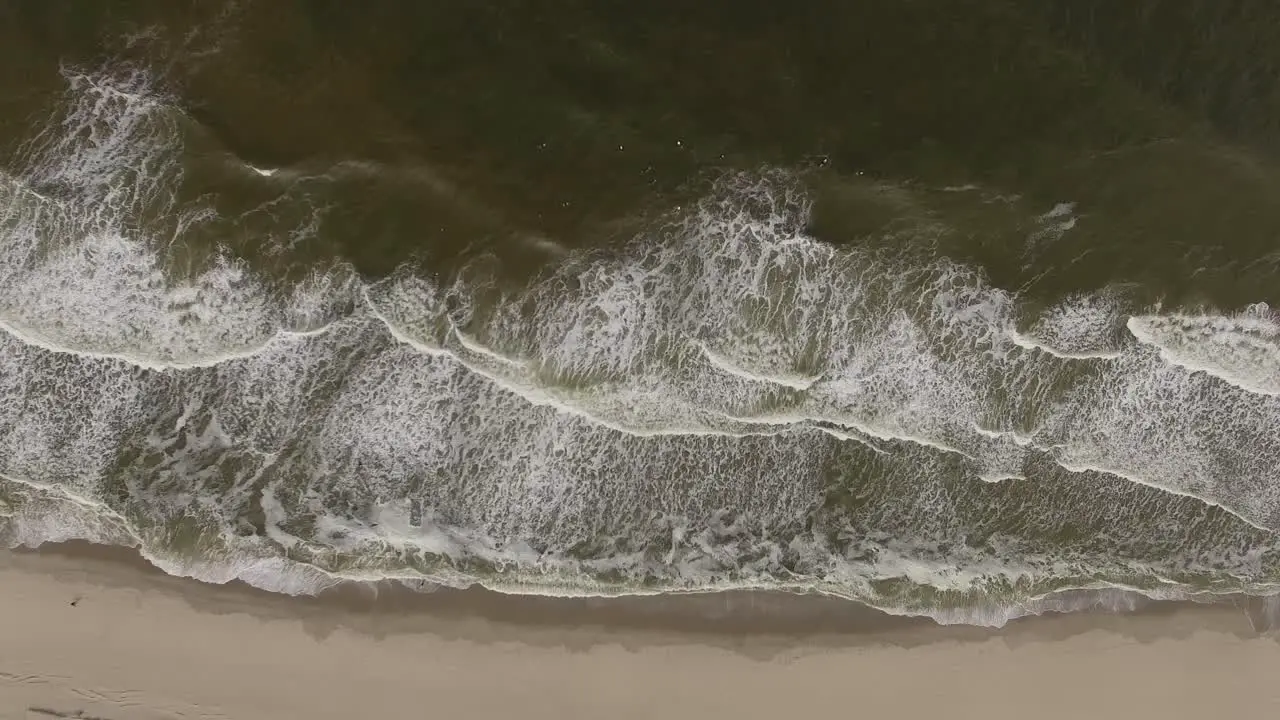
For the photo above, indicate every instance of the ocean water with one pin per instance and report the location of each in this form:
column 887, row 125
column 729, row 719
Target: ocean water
column 952, row 309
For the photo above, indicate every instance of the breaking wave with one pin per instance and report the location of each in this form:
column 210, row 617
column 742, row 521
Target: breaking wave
column 725, row 401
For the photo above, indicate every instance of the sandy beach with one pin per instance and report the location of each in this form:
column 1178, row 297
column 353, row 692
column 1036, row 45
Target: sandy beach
column 140, row 645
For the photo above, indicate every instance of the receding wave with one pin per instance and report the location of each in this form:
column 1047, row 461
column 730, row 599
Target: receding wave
column 724, row 402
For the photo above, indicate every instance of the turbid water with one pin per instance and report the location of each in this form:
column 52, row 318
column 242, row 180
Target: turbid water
column 961, row 309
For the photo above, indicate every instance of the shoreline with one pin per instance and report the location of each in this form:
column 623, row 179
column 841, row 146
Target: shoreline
column 139, row 644
column 742, row 617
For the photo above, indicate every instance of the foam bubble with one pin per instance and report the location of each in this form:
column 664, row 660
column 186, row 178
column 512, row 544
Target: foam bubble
column 90, row 215
column 1241, row 349
column 1083, row 327
column 1185, row 431
column 1051, row 226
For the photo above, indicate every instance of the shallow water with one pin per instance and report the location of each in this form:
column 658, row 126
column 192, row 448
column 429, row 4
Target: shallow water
column 951, row 309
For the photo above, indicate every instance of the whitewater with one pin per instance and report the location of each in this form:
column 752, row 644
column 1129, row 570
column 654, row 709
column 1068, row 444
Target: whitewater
column 722, row 401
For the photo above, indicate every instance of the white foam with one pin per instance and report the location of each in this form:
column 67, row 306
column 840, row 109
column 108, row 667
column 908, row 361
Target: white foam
column 1131, row 476
column 1018, row 438
column 1061, row 210
column 34, row 338
column 686, row 386
column 1031, row 343
column 1050, row 227
column 853, row 435
column 52, row 513
column 1083, row 327
column 795, row 382
column 1183, row 431
column 78, row 272
column 474, row 346
column 545, row 244
column 998, row 477
column 266, row 572
column 1242, row 349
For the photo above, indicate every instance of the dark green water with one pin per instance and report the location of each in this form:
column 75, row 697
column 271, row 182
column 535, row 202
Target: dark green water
column 945, row 307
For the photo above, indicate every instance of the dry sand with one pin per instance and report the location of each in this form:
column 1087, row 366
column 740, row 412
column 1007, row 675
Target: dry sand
column 139, row 645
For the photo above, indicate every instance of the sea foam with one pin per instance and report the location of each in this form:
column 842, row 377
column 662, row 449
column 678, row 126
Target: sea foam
column 724, row 402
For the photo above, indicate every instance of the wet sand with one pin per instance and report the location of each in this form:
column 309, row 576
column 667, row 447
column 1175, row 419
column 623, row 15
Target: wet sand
column 139, row 644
